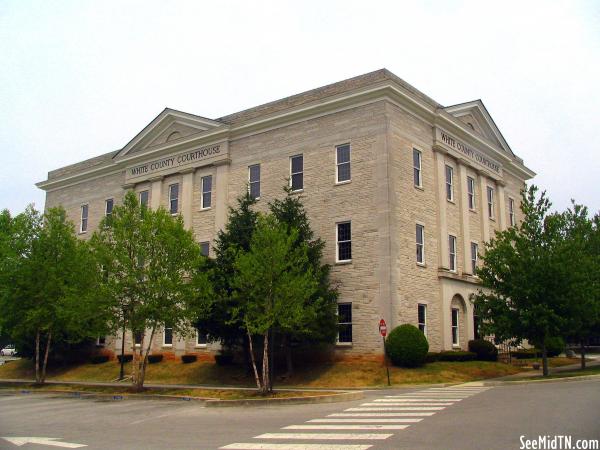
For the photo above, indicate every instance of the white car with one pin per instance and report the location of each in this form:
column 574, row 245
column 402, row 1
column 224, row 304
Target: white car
column 9, row 350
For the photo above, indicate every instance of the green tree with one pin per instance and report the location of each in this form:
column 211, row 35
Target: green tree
column 49, row 283
column 523, row 278
column 151, row 275
column 580, row 252
column 321, row 322
column 273, row 285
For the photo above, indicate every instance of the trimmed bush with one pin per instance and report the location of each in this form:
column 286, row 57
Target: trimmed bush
column 485, row 350
column 100, row 359
column 187, row 359
column 126, row 358
column 432, row 357
column 456, row 356
column 156, row 358
column 525, row 353
column 406, row 346
column 555, row 346
column 224, row 358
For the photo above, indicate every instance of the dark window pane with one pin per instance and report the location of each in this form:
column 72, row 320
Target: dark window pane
column 168, row 336
column 344, row 231
column 297, row 164
column 343, row 154
column 201, row 337
column 255, row 189
column 345, row 333
column 207, row 183
column 417, row 177
column 144, row 198
column 109, row 206
column 297, row 182
column 204, row 248
column 174, row 191
column 254, row 173
column 345, row 312
column 345, row 251
column 206, row 200
column 138, row 337
column 344, row 172
column 416, row 159
column 421, row 313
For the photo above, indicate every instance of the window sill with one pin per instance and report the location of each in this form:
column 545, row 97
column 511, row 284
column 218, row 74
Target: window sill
column 82, row 232
column 297, row 191
column 420, row 188
column 473, row 210
column 167, row 345
column 451, row 201
column 340, row 183
column 343, row 344
column 493, row 219
column 205, row 209
column 343, row 263
column 174, row 214
column 200, row 346
column 455, row 346
column 421, row 264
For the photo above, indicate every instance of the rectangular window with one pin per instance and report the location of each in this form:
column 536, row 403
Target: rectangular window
column 455, row 327
column 452, row 252
column 137, row 337
column 344, row 242
column 168, row 336
column 108, row 207
column 344, row 322
column 474, row 257
column 201, row 338
column 206, row 191
column 422, row 313
column 420, row 239
column 204, row 248
column 101, row 341
column 144, row 199
column 449, row 183
column 342, row 161
column 471, row 192
column 84, row 219
column 417, row 167
column 174, row 198
column 511, row 212
column 490, row 201
column 297, row 172
column 254, row 181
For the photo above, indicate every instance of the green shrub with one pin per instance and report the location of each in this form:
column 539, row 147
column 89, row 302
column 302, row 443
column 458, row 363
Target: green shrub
column 432, row 357
column 224, row 358
column 525, row 353
column 555, row 346
column 485, row 350
column 186, row 359
column 156, row 358
column 100, row 359
column 126, row 357
column 456, row 356
column 406, row 346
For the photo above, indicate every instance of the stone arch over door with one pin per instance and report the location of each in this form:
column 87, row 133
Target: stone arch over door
column 464, row 332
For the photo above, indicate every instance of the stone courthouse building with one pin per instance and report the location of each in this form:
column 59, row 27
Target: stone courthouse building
column 404, row 191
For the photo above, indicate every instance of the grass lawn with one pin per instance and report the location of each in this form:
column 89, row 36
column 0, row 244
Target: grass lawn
column 208, row 394
column 356, row 374
column 552, row 362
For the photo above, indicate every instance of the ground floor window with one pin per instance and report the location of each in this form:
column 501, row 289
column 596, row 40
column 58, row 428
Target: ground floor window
column 201, row 338
column 344, row 322
column 137, row 337
column 455, row 326
column 422, row 313
column 101, row 341
column 476, row 334
column 168, row 336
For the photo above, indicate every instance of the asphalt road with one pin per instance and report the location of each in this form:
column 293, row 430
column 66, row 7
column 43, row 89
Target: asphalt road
column 427, row 418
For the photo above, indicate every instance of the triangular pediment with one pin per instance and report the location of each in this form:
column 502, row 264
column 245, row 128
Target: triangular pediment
column 475, row 115
column 169, row 126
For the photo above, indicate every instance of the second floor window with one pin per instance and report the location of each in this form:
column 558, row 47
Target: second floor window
column 417, row 167
column 206, row 191
column 449, row 183
column 474, row 257
column 511, row 212
column 420, row 239
column 344, row 242
column 490, row 201
column 168, row 336
column 84, row 219
column 174, row 198
column 254, row 181
column 452, row 252
column 297, row 172
column 342, row 156
column 471, row 192
column 108, row 207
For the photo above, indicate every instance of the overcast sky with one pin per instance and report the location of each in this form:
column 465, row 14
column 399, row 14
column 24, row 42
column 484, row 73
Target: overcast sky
column 81, row 78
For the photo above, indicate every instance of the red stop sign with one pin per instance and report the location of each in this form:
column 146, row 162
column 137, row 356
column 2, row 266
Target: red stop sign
column 382, row 328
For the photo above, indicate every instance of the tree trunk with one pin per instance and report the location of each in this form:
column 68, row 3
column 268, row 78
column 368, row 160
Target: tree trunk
column 582, row 348
column 544, row 360
column 135, row 361
column 46, row 357
column 122, row 370
column 37, row 356
column 140, row 384
column 265, row 367
column 253, row 362
column 271, row 360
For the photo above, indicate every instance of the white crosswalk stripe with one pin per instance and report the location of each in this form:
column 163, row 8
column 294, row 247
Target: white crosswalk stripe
column 390, row 412
column 326, row 436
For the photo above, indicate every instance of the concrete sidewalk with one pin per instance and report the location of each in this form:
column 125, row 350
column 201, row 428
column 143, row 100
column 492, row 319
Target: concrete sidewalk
column 595, row 362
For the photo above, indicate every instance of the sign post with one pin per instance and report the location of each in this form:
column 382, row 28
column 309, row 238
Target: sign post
column 383, row 332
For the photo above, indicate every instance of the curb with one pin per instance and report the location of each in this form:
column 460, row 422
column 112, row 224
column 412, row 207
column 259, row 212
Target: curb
column 102, row 396
column 313, row 399
column 538, row 380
